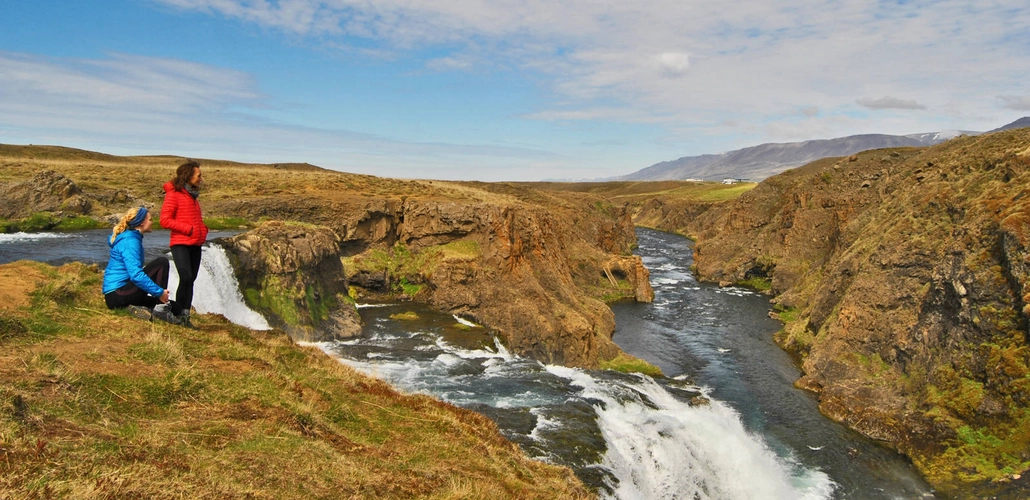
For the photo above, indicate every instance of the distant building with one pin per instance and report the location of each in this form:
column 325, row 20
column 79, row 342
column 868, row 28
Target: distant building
column 729, row 180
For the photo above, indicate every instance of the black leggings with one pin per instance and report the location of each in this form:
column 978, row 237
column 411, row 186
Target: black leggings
column 187, row 264
column 131, row 295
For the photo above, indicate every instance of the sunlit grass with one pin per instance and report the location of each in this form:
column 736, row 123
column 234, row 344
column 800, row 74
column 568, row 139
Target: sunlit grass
column 130, row 409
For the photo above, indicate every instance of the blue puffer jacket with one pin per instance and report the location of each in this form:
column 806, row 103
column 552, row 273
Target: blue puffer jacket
column 126, row 264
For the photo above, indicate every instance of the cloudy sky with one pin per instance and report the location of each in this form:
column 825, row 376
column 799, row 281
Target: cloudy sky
column 502, row 89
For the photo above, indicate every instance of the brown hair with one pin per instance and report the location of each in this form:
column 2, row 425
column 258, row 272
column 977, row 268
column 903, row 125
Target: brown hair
column 183, row 174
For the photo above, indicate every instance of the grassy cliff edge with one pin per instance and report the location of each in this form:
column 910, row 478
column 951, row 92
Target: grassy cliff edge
column 96, row 404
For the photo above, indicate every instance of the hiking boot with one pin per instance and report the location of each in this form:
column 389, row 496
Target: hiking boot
column 141, row 312
column 184, row 320
column 165, row 315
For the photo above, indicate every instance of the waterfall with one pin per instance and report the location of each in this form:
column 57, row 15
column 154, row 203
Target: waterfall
column 217, row 291
column 662, row 448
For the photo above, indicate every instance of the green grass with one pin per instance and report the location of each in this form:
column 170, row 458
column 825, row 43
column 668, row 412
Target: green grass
column 46, row 221
column 760, row 284
column 222, row 223
column 107, row 406
column 629, row 364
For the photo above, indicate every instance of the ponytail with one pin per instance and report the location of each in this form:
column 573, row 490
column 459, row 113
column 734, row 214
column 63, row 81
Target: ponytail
column 123, row 223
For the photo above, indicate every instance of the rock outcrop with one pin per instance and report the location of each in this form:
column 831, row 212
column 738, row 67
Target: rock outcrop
column 47, row 191
column 291, row 273
column 904, row 278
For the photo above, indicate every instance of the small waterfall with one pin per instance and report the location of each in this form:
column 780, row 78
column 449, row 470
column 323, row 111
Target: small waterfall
column 217, row 291
column 662, row 448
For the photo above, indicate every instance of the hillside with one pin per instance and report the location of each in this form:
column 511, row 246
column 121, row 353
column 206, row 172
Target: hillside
column 903, row 279
column 96, row 404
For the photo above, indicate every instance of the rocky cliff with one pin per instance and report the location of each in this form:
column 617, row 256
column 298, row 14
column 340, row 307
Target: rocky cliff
column 904, row 281
column 536, row 267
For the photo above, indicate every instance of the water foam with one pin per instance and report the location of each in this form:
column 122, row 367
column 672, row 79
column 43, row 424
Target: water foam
column 217, row 291
column 21, row 237
column 662, row 448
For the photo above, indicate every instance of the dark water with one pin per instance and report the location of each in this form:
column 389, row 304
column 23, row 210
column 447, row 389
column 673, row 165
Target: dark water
column 88, row 246
column 721, row 338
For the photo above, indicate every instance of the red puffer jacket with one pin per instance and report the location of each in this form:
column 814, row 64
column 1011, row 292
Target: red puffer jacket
column 181, row 214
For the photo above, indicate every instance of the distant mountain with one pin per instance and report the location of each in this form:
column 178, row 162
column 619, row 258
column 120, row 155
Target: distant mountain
column 1020, row 123
column 758, row 162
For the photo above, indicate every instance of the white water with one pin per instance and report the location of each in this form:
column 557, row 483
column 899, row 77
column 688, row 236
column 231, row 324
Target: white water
column 662, row 448
column 217, row 291
column 658, row 447
column 25, row 237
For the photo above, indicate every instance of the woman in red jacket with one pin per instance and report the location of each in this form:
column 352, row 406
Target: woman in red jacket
column 180, row 213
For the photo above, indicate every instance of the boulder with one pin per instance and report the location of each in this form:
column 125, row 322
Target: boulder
column 291, row 273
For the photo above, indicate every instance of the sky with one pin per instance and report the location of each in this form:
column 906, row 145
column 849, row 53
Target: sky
column 500, row 90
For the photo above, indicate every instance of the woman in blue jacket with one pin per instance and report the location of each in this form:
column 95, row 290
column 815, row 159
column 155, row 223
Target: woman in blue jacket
column 127, row 283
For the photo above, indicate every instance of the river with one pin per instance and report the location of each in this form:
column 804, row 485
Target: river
column 628, row 436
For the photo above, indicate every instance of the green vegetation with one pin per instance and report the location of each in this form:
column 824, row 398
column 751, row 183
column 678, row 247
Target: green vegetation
column 409, row 289
column 47, row 221
column 758, row 283
column 222, row 223
column 406, row 269
column 786, row 314
column 405, row 316
column 629, row 364
column 309, row 306
column 983, row 454
column 97, row 404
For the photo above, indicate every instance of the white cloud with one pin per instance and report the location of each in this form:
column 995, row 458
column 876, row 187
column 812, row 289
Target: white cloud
column 889, row 103
column 1018, row 103
column 122, row 83
column 698, row 62
column 450, row 63
column 133, row 105
column 673, row 64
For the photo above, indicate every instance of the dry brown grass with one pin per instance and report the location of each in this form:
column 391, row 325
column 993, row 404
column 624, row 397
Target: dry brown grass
column 96, row 404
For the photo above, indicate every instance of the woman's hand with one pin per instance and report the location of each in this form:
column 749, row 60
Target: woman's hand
column 164, row 297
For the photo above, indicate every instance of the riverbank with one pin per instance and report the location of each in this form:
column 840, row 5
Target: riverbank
column 94, row 403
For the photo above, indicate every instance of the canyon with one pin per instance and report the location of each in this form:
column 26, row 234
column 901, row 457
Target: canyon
column 901, row 275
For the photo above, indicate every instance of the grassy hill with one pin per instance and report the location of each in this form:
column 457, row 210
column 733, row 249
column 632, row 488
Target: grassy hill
column 96, row 404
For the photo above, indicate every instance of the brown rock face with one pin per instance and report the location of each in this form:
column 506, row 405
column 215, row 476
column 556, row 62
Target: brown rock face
column 292, row 274
column 528, row 273
column 907, row 271
column 528, row 264
column 47, row 191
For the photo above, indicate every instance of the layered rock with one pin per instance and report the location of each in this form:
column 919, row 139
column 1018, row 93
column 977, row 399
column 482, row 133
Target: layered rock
column 291, row 273
column 904, row 277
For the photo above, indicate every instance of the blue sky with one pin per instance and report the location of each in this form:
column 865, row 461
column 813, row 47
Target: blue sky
column 500, row 90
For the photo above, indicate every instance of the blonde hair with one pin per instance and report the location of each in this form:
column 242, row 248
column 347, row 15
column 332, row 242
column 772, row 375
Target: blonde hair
column 123, row 224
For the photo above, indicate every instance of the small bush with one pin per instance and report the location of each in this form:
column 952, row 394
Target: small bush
column 630, row 364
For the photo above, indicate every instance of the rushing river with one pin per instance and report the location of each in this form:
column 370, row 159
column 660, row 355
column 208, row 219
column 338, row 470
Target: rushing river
column 628, row 436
